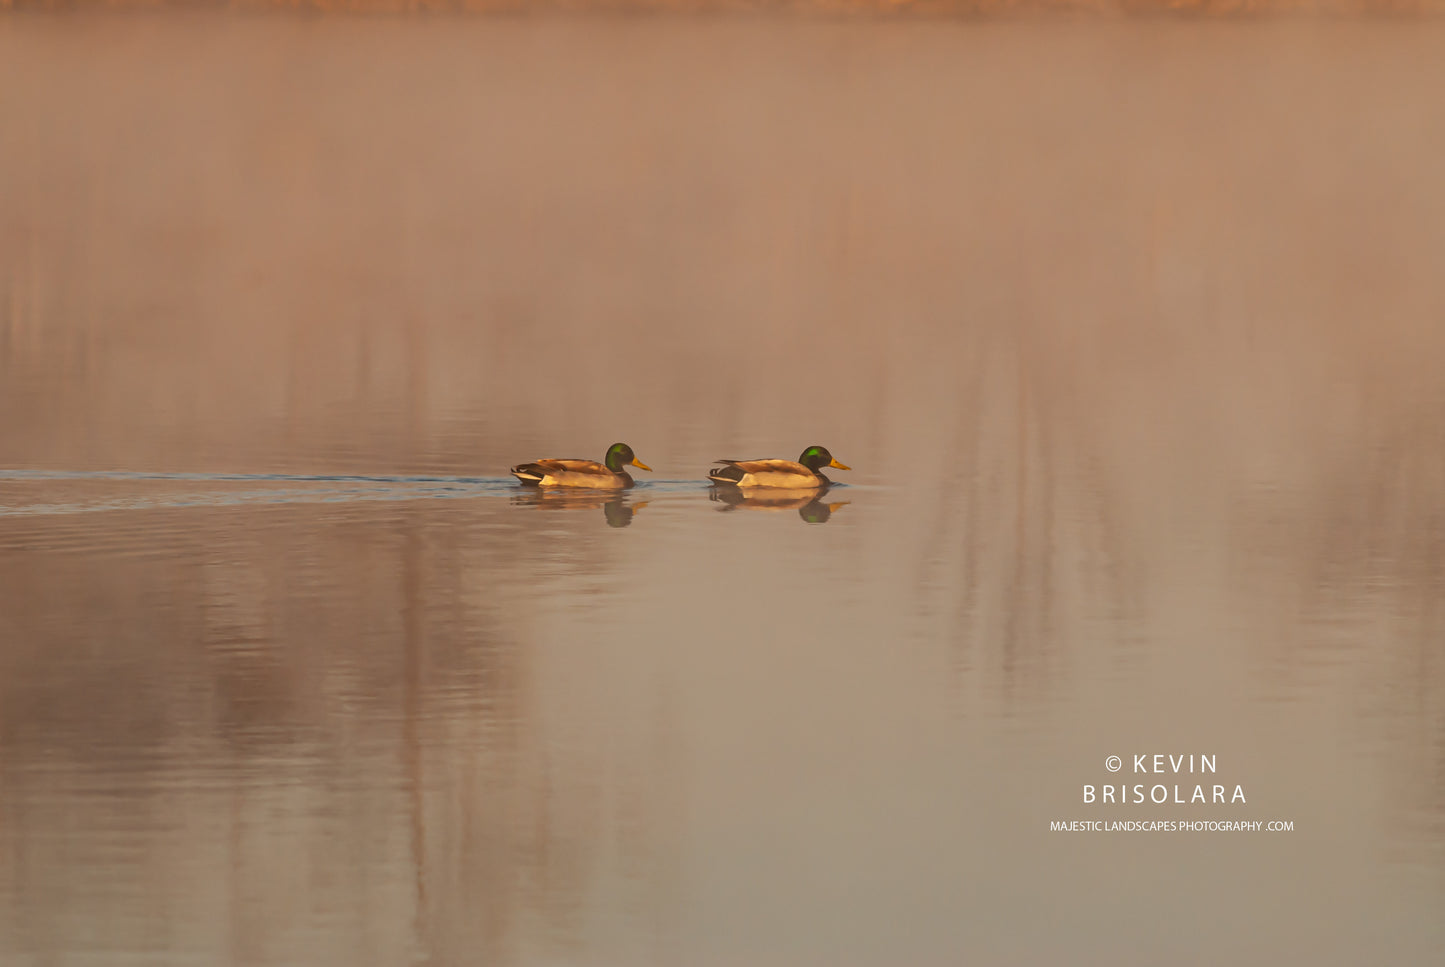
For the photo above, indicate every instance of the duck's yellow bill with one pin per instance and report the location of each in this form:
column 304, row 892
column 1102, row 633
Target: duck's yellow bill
column 638, row 463
column 841, row 466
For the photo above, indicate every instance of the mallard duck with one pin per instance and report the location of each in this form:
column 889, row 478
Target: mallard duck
column 784, row 474
column 582, row 474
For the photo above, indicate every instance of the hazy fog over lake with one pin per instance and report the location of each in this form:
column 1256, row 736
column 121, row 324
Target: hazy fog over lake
column 1132, row 333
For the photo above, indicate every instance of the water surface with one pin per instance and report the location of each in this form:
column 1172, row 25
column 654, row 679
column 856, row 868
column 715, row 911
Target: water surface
column 1132, row 335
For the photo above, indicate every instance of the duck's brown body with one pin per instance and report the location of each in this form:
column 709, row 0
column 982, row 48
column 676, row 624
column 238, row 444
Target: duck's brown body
column 775, row 474
column 582, row 474
column 800, row 474
column 557, row 472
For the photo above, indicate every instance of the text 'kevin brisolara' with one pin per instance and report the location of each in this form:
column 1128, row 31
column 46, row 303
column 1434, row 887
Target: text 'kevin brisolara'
column 1168, row 825
column 1160, row 794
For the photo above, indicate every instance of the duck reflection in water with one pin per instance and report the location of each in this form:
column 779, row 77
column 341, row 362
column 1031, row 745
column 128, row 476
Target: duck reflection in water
column 616, row 508
column 810, row 506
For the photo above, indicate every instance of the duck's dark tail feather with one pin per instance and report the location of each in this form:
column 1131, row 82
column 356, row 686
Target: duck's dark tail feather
column 528, row 473
column 728, row 474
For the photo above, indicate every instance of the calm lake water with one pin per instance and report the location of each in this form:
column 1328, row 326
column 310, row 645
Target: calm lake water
column 1133, row 335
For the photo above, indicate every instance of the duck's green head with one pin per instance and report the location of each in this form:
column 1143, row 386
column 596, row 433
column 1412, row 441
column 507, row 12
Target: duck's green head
column 816, row 458
column 620, row 455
